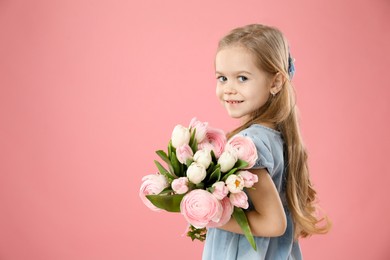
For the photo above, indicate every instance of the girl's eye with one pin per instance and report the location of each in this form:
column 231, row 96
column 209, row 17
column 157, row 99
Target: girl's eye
column 242, row 78
column 222, row 79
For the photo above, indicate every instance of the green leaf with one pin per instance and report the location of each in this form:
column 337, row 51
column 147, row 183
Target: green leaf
column 177, row 168
column 213, row 157
column 215, row 176
column 165, row 158
column 210, row 189
column 200, row 185
column 194, row 146
column 171, row 148
column 167, row 190
column 192, row 138
column 189, row 162
column 169, row 203
column 193, row 142
column 240, row 164
column 210, row 169
column 232, row 171
column 240, row 217
column 163, row 171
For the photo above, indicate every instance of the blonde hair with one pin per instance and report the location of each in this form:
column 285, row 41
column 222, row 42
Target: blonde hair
column 271, row 52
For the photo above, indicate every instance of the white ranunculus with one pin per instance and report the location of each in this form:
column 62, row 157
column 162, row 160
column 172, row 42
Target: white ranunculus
column 196, row 173
column 203, row 157
column 180, row 136
column 227, row 160
column 235, row 183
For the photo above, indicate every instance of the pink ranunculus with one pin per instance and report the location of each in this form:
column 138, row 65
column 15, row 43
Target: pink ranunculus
column 249, row 178
column 201, row 129
column 199, row 207
column 215, row 140
column 226, row 213
column 152, row 184
column 180, row 185
column 244, row 148
column 183, row 153
column 220, row 190
column 239, row 199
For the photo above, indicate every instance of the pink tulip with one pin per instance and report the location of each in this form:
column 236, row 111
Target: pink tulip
column 239, row 199
column 220, row 190
column 201, row 129
column 180, row 185
column 183, row 153
column 199, row 207
column 249, row 178
column 244, row 148
column 226, row 213
column 215, row 140
column 152, row 184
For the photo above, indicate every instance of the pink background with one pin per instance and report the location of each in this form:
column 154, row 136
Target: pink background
column 90, row 89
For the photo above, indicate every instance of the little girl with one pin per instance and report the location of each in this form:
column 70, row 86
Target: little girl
column 254, row 71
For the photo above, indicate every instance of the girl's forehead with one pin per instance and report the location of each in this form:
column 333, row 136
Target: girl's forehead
column 232, row 59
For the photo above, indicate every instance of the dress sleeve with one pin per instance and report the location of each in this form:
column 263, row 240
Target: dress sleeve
column 265, row 158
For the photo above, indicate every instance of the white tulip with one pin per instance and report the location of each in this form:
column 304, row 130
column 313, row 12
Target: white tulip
column 180, row 136
column 227, row 160
column 203, row 157
column 235, row 183
column 196, row 173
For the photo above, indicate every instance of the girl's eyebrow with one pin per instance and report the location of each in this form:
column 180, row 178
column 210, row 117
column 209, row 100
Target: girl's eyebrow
column 244, row 71
column 237, row 73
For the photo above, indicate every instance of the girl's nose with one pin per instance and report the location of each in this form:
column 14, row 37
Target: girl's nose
column 229, row 89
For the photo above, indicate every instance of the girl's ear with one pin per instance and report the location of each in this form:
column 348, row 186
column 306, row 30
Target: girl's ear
column 277, row 83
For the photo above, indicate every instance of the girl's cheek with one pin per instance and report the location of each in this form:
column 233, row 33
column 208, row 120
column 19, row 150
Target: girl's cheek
column 218, row 92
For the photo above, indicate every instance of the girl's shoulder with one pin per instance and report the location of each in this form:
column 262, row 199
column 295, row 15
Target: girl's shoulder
column 259, row 133
column 269, row 146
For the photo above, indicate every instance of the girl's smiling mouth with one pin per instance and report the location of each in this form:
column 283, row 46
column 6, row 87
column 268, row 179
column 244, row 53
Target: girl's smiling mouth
column 234, row 101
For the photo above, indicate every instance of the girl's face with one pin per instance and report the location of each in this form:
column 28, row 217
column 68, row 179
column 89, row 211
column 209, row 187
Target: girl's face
column 241, row 86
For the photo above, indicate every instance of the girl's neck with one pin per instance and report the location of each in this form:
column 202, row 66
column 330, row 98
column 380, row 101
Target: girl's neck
column 266, row 124
column 269, row 125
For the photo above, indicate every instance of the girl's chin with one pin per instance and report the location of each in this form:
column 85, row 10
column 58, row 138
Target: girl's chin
column 235, row 115
column 243, row 118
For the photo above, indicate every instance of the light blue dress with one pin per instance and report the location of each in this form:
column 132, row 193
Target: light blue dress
column 225, row 245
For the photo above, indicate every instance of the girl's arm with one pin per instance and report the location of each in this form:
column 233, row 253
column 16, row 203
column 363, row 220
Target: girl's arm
column 268, row 218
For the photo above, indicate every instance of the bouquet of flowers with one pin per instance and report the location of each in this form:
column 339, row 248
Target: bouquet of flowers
column 204, row 180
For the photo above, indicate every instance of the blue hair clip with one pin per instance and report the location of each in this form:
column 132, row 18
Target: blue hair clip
column 291, row 66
